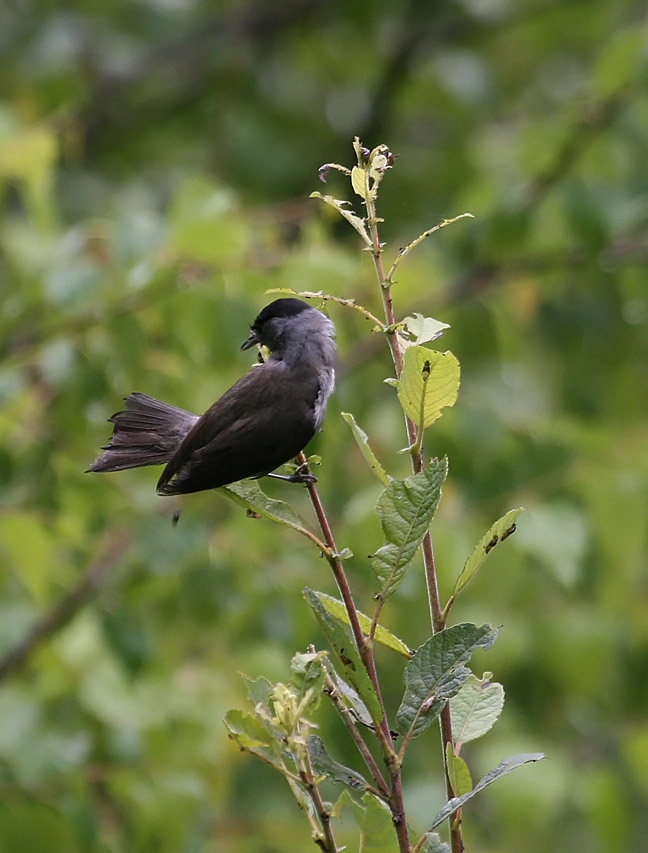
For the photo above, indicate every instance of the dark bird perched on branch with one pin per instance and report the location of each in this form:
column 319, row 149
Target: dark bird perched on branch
column 264, row 420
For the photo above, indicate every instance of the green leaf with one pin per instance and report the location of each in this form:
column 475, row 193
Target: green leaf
column 504, row 767
column 248, row 494
column 475, row 708
column 345, row 649
column 250, row 735
column 436, row 673
column 362, row 440
column 337, row 609
column 378, row 834
column 458, row 772
column 418, row 330
column 258, row 689
column 428, row 383
column 324, row 765
column 502, row 528
column 358, row 181
column 352, row 218
column 405, row 510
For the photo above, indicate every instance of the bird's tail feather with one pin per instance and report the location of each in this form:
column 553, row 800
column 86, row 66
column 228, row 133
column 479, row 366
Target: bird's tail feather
column 147, row 432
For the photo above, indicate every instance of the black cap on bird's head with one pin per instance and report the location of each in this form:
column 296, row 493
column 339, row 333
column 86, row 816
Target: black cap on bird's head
column 264, row 330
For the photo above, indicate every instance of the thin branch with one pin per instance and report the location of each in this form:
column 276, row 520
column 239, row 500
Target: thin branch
column 307, row 778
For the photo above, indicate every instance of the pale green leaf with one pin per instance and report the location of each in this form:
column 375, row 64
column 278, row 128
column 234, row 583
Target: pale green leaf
column 502, row 528
column 342, row 643
column 405, row 510
column 362, row 440
column 437, row 672
column 337, row 609
column 475, row 708
column 418, row 330
column 428, row 383
column 358, row 181
column 504, row 767
column 458, row 772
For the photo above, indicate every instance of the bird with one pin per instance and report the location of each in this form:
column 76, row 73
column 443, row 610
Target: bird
column 263, row 421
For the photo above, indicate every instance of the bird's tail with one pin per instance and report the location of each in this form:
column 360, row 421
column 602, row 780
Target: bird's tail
column 147, row 433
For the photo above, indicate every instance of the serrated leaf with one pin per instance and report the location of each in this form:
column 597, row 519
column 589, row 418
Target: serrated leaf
column 433, row 844
column 502, row 769
column 405, row 510
column 502, row 528
column 342, row 644
column 417, row 330
column 475, row 708
column 458, row 772
column 352, row 218
column 437, row 672
column 428, row 383
column 377, row 832
column 337, row 609
column 362, row 440
column 358, row 181
column 248, row 494
column 324, row 765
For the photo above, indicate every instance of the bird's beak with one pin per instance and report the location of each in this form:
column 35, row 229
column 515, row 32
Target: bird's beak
column 251, row 341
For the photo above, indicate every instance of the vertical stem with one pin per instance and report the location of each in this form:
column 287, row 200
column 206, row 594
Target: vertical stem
column 365, row 648
column 434, row 601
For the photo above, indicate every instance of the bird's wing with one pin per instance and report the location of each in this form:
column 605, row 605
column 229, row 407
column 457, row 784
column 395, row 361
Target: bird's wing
column 264, row 420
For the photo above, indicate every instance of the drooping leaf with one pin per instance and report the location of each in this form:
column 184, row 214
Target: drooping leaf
column 504, row 767
column 324, row 765
column 458, row 772
column 428, row 383
column 342, row 643
column 499, row 531
column 362, row 440
column 405, row 509
column 437, row 672
column 352, row 218
column 475, row 708
column 248, row 494
column 337, row 609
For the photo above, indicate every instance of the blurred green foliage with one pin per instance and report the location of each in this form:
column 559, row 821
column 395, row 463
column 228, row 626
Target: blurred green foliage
column 155, row 162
